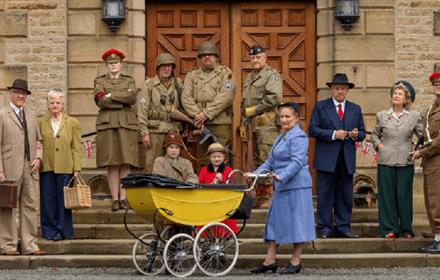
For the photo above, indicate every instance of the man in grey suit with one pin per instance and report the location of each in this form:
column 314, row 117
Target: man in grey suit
column 20, row 157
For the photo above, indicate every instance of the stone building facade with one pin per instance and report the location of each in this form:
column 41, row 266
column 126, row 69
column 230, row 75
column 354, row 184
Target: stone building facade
column 57, row 44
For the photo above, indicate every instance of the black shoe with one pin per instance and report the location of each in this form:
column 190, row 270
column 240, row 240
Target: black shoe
column 261, row 268
column 325, row 235
column 58, row 237
column 434, row 248
column 292, row 269
column 347, row 235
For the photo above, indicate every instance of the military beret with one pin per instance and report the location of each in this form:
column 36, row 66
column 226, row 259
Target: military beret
column 256, row 49
column 434, row 76
column 113, row 55
column 409, row 88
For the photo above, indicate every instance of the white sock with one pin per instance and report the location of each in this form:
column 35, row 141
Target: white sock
column 437, row 237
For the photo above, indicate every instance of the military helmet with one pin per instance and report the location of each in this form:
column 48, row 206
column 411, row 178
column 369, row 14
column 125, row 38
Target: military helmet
column 165, row 58
column 207, row 48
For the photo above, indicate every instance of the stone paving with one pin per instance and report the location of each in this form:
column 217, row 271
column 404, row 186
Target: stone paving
column 309, row 274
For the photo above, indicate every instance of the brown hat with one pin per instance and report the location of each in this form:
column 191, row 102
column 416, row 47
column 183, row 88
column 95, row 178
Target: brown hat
column 216, row 147
column 20, row 84
column 173, row 138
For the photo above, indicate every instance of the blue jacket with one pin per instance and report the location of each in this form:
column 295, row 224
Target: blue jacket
column 288, row 159
column 323, row 122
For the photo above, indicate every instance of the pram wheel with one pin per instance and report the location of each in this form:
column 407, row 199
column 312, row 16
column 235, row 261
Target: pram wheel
column 147, row 254
column 216, row 249
column 178, row 255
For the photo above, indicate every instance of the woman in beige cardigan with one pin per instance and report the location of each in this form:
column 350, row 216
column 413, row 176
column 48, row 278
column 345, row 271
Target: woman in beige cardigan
column 61, row 159
column 392, row 138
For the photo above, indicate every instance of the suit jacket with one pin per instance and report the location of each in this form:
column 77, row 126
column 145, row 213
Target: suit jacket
column 12, row 142
column 323, row 123
column 61, row 154
column 396, row 136
column 288, row 159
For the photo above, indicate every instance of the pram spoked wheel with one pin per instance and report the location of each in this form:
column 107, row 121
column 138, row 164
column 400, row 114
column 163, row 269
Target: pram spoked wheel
column 147, row 254
column 178, row 255
column 216, row 249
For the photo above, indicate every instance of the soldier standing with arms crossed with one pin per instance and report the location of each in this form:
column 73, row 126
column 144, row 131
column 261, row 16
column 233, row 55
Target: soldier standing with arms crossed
column 207, row 96
column 116, row 124
column 159, row 96
column 262, row 93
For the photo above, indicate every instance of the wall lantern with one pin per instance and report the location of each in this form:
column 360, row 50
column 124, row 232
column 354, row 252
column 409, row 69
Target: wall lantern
column 347, row 12
column 113, row 13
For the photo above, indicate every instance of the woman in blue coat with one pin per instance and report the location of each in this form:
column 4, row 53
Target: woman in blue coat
column 290, row 218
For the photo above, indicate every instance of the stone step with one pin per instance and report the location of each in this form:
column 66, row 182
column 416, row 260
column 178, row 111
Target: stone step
column 108, row 231
column 384, row 260
column 249, row 246
column 103, row 215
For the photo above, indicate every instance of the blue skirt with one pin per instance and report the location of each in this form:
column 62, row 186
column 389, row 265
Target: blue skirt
column 290, row 218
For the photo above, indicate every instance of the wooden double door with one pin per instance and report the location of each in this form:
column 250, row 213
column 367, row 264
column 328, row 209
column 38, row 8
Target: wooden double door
column 286, row 29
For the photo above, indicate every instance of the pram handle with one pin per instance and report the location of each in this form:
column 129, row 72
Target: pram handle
column 261, row 173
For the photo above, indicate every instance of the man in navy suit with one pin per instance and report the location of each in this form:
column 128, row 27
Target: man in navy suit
column 336, row 124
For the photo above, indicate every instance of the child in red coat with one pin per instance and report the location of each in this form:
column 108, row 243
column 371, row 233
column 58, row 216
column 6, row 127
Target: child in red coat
column 217, row 172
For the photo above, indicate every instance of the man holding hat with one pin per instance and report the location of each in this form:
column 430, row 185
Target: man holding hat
column 262, row 93
column 430, row 154
column 159, row 96
column 20, row 158
column 336, row 124
column 116, row 124
column 207, row 96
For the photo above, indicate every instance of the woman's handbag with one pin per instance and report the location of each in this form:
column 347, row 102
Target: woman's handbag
column 8, row 195
column 78, row 197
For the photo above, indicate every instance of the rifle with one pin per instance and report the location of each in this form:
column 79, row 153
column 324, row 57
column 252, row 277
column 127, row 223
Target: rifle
column 204, row 132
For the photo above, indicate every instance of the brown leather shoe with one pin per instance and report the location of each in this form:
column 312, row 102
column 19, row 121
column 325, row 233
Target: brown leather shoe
column 115, row 205
column 123, row 204
column 11, row 253
column 38, row 253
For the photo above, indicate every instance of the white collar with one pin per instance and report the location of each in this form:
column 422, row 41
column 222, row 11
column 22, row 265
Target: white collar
column 336, row 103
column 15, row 108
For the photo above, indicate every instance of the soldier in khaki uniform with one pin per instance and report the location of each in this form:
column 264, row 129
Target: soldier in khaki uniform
column 431, row 165
column 262, row 93
column 207, row 96
column 116, row 124
column 172, row 165
column 159, row 96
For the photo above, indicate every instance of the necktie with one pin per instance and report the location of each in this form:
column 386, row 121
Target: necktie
column 340, row 112
column 20, row 115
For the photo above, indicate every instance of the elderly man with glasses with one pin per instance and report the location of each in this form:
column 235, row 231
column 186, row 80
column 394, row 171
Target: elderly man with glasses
column 20, row 157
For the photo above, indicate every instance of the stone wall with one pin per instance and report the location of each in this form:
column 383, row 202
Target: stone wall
column 417, row 48
column 33, row 45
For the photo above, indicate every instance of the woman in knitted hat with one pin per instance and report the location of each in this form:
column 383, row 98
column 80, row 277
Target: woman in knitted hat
column 217, row 172
column 172, row 165
column 392, row 138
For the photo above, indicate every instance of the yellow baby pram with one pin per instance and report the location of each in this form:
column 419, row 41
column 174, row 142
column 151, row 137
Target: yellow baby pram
column 213, row 247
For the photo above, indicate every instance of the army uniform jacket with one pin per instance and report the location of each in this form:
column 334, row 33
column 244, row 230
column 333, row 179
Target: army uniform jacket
column 155, row 102
column 115, row 111
column 263, row 90
column 209, row 92
column 179, row 168
column 431, row 154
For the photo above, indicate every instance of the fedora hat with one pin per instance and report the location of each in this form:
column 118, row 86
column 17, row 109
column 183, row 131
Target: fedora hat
column 20, row 84
column 340, row 79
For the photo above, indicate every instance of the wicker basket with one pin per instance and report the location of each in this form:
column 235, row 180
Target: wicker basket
column 78, row 197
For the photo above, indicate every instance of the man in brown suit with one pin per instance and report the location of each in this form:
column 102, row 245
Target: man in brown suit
column 20, row 157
